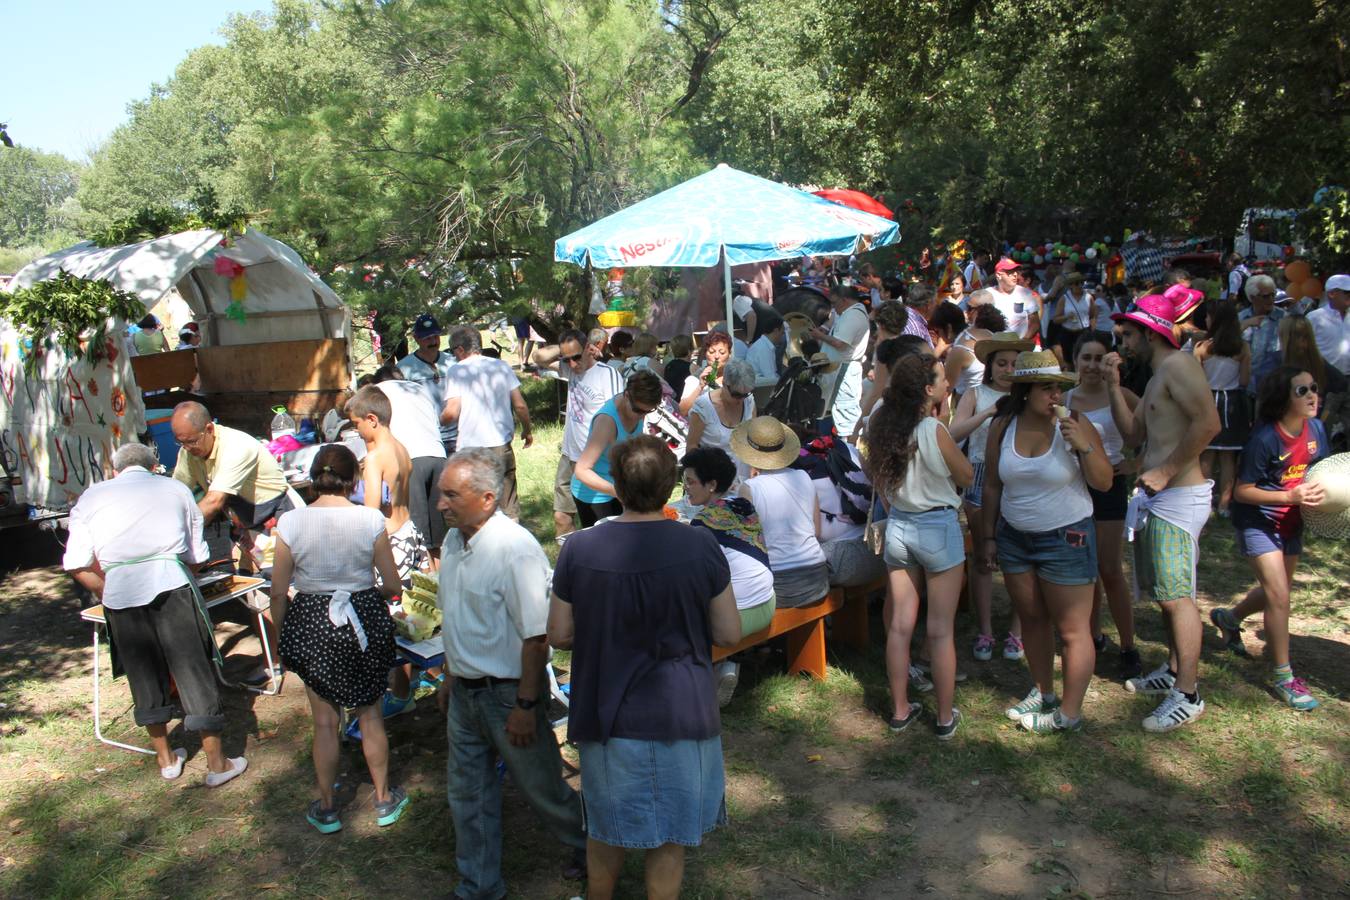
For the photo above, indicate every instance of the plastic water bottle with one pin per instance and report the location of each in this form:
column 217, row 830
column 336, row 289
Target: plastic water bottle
column 282, row 423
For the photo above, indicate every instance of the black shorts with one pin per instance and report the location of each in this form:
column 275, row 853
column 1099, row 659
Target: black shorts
column 1109, row 505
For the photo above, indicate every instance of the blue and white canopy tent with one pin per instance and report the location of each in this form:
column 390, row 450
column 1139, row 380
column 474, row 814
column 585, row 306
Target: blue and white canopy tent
column 729, row 217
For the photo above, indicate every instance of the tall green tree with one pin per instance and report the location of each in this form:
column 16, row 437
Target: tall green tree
column 33, row 187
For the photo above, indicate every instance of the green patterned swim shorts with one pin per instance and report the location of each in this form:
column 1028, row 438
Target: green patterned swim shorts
column 1164, row 561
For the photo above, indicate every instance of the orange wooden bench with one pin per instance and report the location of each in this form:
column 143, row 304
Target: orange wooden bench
column 804, row 628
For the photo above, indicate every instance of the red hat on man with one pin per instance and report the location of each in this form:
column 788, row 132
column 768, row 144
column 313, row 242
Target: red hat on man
column 1007, row 264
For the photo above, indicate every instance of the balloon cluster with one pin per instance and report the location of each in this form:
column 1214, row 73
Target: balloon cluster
column 1301, row 281
column 1057, row 251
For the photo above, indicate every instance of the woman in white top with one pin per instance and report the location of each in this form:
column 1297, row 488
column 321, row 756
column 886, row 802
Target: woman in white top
column 787, row 508
column 996, row 355
column 1227, row 360
column 709, row 473
column 963, row 370
column 715, row 414
column 1092, row 398
column 916, row 468
column 708, row 375
column 1039, row 465
column 1078, row 311
column 337, row 634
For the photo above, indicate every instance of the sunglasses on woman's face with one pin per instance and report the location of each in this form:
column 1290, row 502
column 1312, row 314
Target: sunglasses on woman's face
column 1303, row 390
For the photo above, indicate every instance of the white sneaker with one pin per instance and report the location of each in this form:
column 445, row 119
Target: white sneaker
column 1174, row 712
column 728, row 676
column 919, row 681
column 1159, row 681
column 237, row 766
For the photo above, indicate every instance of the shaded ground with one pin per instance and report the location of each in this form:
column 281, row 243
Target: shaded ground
column 824, row 801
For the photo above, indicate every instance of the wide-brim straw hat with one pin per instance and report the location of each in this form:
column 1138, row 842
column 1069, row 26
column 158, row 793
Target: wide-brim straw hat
column 1331, row 517
column 1040, row 367
column 765, row 443
column 821, row 364
column 1004, row 340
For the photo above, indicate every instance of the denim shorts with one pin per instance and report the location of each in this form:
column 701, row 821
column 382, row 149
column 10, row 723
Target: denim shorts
column 974, row 495
column 642, row 794
column 1066, row 555
column 1259, row 541
column 930, row 540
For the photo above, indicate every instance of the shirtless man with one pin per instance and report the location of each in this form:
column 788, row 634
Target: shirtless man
column 386, row 474
column 1175, row 421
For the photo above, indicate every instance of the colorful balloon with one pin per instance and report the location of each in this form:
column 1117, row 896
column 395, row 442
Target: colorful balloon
column 1297, row 271
column 1311, row 287
column 1090, row 253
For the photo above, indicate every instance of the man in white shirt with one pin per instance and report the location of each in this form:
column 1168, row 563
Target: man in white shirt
column 589, row 385
column 763, row 355
column 1330, row 327
column 133, row 543
column 976, row 278
column 415, row 422
column 481, row 395
column 494, row 594
column 1018, row 304
column 428, row 365
column 846, row 344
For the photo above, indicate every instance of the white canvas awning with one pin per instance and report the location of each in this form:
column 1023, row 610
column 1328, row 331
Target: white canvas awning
column 286, row 300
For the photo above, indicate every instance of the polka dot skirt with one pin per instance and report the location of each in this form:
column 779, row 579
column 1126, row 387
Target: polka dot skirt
column 329, row 659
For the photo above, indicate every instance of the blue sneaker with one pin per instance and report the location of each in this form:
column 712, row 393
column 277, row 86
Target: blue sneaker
column 1295, row 692
column 391, row 706
column 388, row 812
column 325, row 821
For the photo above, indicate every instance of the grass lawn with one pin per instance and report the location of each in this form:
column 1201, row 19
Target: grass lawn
column 1252, row 801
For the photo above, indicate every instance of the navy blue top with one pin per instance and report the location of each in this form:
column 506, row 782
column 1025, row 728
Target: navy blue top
column 1274, row 460
column 642, row 631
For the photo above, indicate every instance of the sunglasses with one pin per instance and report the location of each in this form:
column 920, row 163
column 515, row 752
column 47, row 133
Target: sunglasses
column 738, row 395
column 1303, row 390
column 575, row 357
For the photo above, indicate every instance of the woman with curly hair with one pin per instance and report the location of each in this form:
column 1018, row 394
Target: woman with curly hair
column 917, row 469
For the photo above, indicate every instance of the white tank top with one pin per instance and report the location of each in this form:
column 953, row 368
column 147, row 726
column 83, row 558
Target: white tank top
column 1041, row 493
column 972, row 374
column 928, row 482
column 783, row 501
column 1112, row 440
column 985, row 397
column 1221, row 372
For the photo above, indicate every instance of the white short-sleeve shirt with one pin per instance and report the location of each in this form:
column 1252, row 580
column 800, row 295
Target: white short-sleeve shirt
column 416, row 420
column 135, row 515
column 483, row 386
column 493, row 594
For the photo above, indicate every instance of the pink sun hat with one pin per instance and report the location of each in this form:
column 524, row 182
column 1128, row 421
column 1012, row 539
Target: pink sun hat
column 1154, row 312
column 1186, row 300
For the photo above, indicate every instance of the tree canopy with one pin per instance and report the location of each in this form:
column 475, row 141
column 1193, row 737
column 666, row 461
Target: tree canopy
column 431, row 151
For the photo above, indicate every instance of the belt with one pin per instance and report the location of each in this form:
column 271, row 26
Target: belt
column 475, row 684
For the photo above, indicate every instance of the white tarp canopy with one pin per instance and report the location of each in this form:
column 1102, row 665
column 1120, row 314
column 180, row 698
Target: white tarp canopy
column 286, row 300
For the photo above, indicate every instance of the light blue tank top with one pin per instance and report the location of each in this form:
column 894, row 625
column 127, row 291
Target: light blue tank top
column 581, row 491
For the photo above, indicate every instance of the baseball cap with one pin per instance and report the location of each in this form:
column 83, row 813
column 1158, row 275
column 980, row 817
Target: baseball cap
column 425, row 326
column 1338, row 283
column 1006, row 265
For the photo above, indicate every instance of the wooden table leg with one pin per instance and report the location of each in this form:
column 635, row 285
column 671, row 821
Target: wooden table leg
column 806, row 650
column 850, row 622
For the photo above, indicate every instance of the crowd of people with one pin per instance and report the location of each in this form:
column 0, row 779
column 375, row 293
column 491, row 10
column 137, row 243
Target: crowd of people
column 1053, row 421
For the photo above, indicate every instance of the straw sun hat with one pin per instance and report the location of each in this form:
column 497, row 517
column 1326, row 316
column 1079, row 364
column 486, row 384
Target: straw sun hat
column 765, row 443
column 1040, row 367
column 1331, row 517
column 1004, row 340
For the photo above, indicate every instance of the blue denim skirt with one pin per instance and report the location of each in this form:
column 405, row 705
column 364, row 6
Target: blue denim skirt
column 642, row 794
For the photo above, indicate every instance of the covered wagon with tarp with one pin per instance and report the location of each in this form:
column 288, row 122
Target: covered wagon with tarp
column 272, row 334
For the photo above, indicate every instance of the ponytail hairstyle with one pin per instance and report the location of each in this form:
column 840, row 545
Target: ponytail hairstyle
column 890, row 431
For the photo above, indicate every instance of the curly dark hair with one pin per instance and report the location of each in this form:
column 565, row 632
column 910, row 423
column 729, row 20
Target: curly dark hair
column 1272, row 396
column 991, row 318
column 890, row 431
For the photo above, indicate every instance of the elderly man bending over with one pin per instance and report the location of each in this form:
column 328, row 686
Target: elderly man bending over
column 131, row 541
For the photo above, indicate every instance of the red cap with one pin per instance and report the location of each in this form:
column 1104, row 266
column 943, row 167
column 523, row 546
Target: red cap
column 1007, row 264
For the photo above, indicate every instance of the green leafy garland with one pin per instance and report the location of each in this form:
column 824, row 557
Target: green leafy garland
column 151, row 223
column 65, row 312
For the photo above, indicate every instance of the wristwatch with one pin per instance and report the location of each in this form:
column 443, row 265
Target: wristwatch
column 526, row 704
